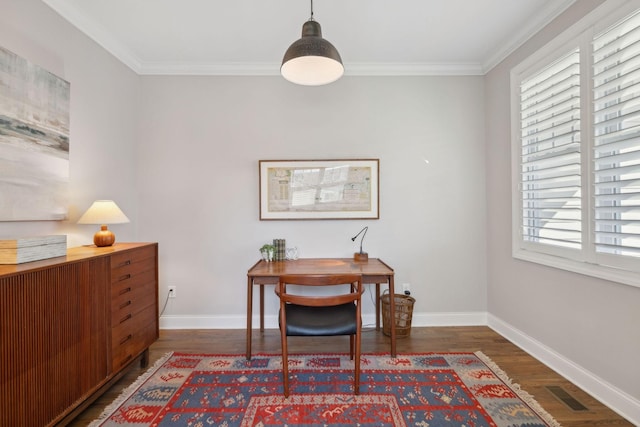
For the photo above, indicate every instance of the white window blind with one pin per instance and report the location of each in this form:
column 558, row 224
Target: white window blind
column 576, row 148
column 616, row 150
column 550, row 181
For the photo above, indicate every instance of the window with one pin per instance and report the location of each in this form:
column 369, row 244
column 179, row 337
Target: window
column 576, row 148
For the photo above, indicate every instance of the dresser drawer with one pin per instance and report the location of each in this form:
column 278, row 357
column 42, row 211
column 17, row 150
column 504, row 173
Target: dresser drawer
column 131, row 263
column 132, row 334
column 128, row 257
column 135, row 293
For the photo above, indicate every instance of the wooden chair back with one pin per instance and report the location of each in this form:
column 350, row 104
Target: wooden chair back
column 354, row 280
column 309, row 306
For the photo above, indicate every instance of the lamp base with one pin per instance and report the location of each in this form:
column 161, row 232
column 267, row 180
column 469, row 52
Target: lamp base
column 361, row 256
column 104, row 237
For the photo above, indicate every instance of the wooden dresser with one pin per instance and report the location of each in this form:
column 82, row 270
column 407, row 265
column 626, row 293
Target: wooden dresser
column 70, row 326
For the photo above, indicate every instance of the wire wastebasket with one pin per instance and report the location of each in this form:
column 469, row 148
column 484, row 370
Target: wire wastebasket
column 403, row 313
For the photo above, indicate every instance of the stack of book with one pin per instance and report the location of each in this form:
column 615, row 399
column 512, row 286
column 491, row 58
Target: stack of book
column 27, row 249
column 280, row 249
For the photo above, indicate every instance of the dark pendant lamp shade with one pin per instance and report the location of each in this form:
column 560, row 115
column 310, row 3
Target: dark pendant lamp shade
column 312, row 60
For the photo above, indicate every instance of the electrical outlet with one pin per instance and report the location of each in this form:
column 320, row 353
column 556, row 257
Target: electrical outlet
column 406, row 288
column 172, row 291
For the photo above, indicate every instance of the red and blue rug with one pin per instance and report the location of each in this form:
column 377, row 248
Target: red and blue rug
column 426, row 390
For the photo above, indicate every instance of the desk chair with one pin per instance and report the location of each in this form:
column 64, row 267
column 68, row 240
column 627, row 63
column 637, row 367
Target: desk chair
column 326, row 315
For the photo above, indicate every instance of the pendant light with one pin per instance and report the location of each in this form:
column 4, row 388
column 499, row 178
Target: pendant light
column 312, row 60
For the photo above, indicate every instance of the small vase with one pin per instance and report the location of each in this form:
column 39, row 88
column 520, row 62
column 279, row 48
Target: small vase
column 292, row 253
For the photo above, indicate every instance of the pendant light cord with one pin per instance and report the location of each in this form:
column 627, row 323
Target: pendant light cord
column 311, row 19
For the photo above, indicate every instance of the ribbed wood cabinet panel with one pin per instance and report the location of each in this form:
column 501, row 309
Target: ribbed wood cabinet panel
column 56, row 331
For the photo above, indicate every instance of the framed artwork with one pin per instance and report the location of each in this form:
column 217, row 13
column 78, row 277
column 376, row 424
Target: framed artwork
column 34, row 141
column 319, row 189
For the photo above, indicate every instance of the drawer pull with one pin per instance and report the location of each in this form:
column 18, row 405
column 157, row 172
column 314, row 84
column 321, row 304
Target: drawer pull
column 125, row 304
column 125, row 318
column 125, row 339
column 127, row 262
column 124, row 277
column 124, row 291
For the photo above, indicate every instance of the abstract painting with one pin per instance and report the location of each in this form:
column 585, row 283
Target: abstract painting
column 34, row 141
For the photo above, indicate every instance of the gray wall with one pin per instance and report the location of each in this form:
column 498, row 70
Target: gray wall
column 104, row 115
column 200, row 142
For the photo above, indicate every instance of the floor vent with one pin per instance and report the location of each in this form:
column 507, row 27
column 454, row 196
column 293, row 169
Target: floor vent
column 566, row 398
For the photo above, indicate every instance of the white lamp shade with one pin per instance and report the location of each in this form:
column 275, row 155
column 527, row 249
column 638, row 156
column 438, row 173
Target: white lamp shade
column 312, row 70
column 103, row 212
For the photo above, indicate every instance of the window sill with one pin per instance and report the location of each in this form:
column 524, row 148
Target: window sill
column 602, row 272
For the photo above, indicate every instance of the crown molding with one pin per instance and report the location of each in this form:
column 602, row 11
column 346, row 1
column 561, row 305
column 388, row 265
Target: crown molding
column 552, row 11
column 273, row 69
column 96, row 32
column 413, row 69
column 209, row 69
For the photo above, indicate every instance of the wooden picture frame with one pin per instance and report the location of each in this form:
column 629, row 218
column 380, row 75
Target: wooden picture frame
column 319, row 189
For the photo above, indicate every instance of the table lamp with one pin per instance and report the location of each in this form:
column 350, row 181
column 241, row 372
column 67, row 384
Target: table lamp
column 103, row 212
column 360, row 256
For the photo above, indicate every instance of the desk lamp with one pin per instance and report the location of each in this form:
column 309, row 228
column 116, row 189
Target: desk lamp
column 103, row 212
column 360, row 256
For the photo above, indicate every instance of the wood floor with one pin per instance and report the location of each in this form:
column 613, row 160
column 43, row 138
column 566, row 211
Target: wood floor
column 533, row 376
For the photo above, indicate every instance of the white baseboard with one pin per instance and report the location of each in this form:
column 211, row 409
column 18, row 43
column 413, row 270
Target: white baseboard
column 619, row 401
column 205, row 322
column 474, row 318
column 271, row 321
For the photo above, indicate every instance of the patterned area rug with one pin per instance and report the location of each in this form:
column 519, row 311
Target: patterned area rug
column 426, row 390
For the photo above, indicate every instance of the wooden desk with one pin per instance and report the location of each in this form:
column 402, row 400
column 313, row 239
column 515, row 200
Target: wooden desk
column 268, row 273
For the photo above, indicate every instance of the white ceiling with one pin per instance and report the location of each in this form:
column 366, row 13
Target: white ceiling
column 249, row 37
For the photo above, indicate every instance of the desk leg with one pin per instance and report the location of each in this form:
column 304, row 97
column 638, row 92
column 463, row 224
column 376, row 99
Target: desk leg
column 377, row 306
column 392, row 316
column 261, row 308
column 249, row 314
